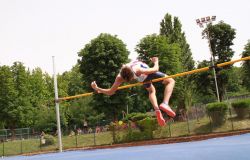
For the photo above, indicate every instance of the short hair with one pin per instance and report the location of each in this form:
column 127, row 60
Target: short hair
column 126, row 73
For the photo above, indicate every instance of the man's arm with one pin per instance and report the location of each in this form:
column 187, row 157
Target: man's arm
column 109, row 91
column 153, row 69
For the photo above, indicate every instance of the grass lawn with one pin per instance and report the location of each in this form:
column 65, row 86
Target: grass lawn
column 173, row 129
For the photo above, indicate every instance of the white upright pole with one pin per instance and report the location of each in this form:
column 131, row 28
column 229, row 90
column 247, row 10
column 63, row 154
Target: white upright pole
column 57, row 108
column 214, row 72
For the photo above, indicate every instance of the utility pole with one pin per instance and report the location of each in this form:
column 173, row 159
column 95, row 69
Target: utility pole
column 57, row 108
column 209, row 20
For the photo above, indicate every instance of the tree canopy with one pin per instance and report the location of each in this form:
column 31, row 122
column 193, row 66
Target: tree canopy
column 101, row 61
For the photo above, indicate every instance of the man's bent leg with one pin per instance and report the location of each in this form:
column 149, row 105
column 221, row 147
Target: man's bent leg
column 153, row 100
column 169, row 82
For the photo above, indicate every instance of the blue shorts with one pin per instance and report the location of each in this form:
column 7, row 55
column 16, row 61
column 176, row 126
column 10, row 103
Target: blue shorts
column 153, row 76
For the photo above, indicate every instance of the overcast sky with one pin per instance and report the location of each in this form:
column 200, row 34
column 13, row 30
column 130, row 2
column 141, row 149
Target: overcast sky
column 32, row 31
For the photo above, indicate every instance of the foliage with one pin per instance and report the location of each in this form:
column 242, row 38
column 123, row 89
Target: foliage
column 78, row 111
column 184, row 89
column 49, row 140
column 147, row 126
column 204, row 82
column 26, row 99
column 221, row 38
column 173, row 31
column 45, row 119
column 145, row 123
column 217, row 106
column 95, row 120
column 75, row 85
column 234, row 80
column 131, row 135
column 136, row 116
column 159, row 46
column 17, row 108
column 217, row 111
column 246, row 67
column 110, row 53
column 7, row 95
column 242, row 108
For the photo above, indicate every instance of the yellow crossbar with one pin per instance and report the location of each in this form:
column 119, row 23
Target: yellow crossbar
column 160, row 79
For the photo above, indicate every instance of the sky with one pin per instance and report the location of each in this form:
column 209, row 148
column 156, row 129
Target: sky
column 32, row 31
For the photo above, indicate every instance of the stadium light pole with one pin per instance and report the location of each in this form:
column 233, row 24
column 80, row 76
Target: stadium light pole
column 209, row 20
column 57, row 108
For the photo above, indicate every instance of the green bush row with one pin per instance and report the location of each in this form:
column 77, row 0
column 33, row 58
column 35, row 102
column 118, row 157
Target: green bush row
column 145, row 123
column 47, row 140
column 242, row 108
column 217, row 111
column 136, row 117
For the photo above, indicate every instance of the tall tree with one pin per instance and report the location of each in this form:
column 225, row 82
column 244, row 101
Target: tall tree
column 23, row 108
column 75, row 81
column 7, row 96
column 234, row 80
column 39, row 90
column 221, row 38
column 168, row 53
column 100, row 61
column 203, row 84
column 246, row 66
column 172, row 29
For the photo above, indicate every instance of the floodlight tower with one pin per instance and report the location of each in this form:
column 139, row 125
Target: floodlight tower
column 205, row 34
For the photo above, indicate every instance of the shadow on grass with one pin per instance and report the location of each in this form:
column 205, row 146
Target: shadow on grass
column 236, row 119
column 206, row 128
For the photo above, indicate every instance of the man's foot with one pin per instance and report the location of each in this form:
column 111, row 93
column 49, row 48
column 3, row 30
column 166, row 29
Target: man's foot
column 160, row 118
column 165, row 107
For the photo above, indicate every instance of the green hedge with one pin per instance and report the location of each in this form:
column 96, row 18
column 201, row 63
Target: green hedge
column 147, row 126
column 145, row 123
column 49, row 140
column 217, row 111
column 136, row 117
column 242, row 108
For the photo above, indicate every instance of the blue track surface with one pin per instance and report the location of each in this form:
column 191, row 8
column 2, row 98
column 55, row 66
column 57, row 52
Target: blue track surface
column 226, row 148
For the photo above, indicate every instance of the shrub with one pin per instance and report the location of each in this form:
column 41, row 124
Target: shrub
column 147, row 123
column 241, row 108
column 49, row 140
column 146, row 127
column 132, row 135
column 217, row 111
column 136, row 116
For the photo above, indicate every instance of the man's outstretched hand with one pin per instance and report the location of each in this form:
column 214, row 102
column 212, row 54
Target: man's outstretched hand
column 94, row 86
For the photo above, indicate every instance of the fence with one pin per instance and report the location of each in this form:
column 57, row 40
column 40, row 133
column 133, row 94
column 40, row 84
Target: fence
column 194, row 122
column 20, row 133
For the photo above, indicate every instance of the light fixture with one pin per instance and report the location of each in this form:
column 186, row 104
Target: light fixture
column 208, row 19
column 213, row 18
column 198, row 21
column 203, row 20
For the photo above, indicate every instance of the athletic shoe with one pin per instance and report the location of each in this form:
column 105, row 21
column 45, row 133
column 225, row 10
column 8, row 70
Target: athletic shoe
column 160, row 118
column 167, row 109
